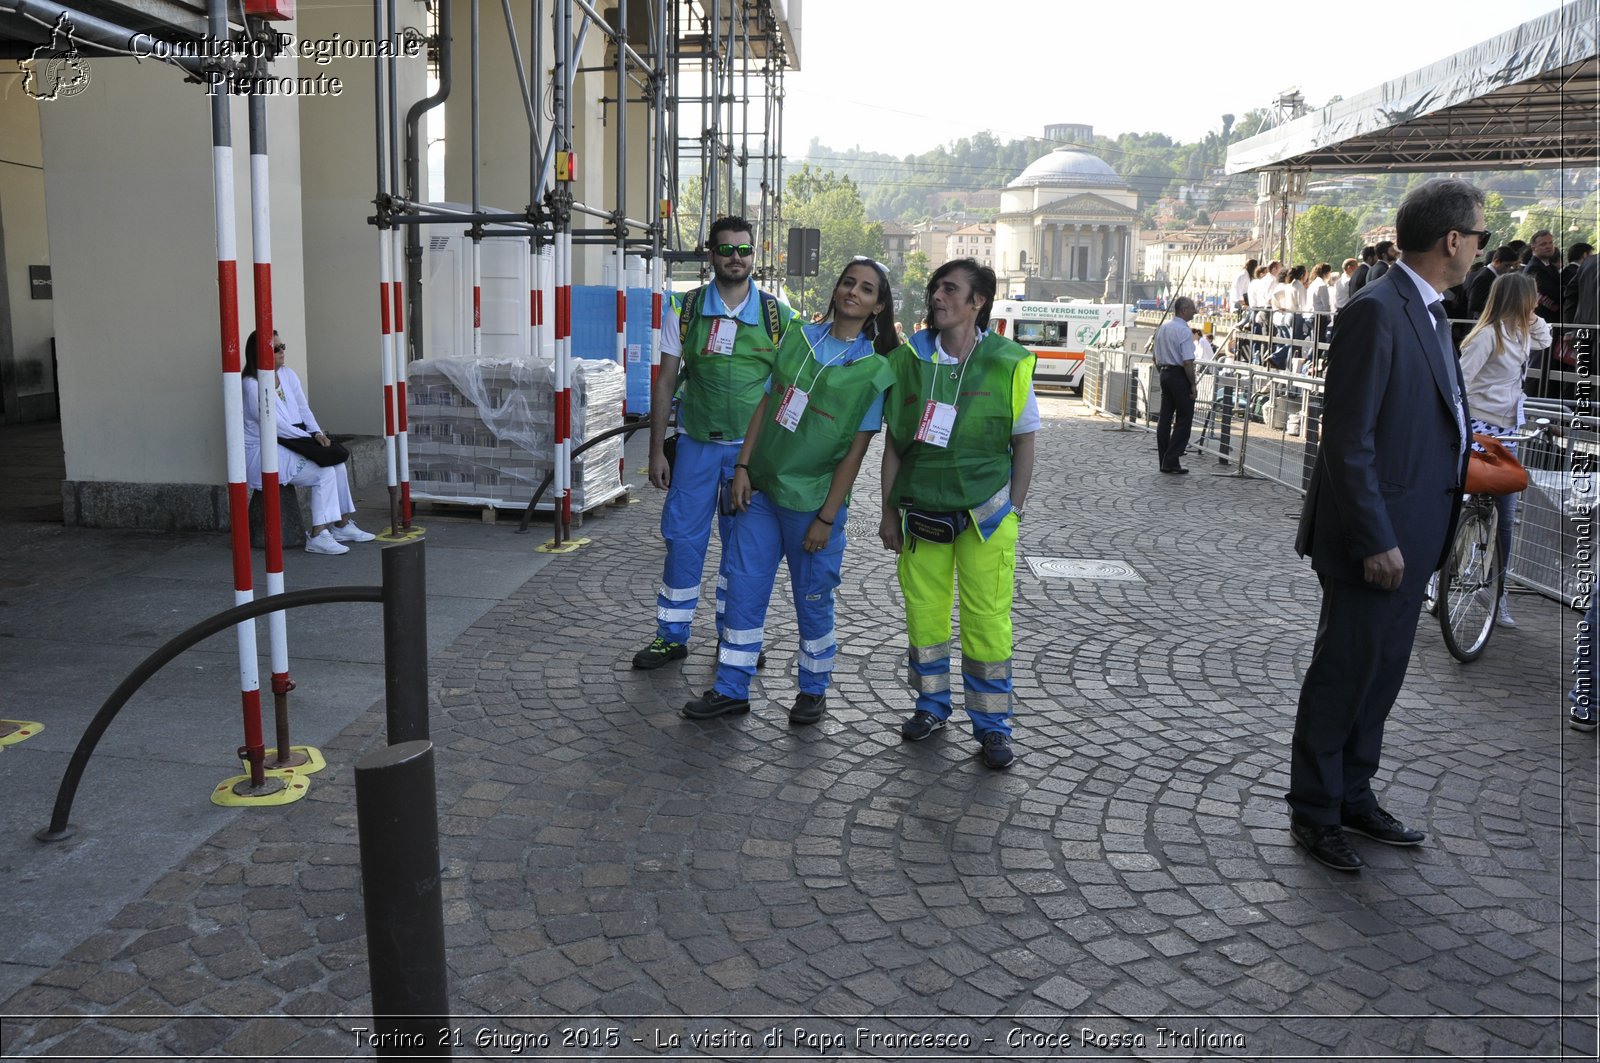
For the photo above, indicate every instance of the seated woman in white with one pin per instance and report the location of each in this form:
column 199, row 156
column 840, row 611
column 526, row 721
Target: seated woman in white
column 331, row 502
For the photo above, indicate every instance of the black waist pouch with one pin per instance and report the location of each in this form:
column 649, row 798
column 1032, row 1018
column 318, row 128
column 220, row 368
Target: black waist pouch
column 936, row 527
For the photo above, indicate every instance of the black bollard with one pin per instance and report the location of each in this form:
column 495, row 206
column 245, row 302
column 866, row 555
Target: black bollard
column 405, row 641
column 397, row 820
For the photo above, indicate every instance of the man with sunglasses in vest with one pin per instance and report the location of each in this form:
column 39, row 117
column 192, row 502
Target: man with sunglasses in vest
column 717, row 352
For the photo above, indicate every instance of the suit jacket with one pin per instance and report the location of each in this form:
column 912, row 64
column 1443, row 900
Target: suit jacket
column 1478, row 286
column 1581, row 301
column 1358, row 279
column 1548, row 279
column 1390, row 467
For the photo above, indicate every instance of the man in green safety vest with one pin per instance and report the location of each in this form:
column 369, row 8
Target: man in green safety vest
column 716, row 354
column 960, row 421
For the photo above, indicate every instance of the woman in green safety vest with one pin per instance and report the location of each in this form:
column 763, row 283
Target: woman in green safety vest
column 791, row 487
column 960, row 421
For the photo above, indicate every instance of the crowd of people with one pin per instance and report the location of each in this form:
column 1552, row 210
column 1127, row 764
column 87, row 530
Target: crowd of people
column 774, row 419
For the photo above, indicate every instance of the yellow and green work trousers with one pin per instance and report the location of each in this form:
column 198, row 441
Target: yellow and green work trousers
column 986, row 571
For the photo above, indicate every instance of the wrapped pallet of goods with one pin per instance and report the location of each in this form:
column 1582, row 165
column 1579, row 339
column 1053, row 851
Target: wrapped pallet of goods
column 482, row 431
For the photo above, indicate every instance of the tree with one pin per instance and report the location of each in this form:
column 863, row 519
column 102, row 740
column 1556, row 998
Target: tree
column 1496, row 218
column 825, row 201
column 913, row 288
column 1325, row 234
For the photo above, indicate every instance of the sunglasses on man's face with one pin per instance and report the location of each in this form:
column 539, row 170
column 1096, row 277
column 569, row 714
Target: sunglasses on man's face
column 279, row 348
column 729, row 250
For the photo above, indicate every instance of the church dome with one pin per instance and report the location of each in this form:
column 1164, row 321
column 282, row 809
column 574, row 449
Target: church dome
column 1069, row 167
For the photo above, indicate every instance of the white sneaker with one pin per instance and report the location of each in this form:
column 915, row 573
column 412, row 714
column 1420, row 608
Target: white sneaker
column 323, row 543
column 349, row 533
column 1504, row 617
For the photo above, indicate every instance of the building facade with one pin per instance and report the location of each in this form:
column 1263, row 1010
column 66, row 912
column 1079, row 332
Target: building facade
column 1065, row 224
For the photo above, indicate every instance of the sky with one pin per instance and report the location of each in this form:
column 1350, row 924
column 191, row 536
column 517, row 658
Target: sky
column 904, row 76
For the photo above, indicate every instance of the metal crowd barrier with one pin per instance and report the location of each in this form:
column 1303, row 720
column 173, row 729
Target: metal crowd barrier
column 1265, row 423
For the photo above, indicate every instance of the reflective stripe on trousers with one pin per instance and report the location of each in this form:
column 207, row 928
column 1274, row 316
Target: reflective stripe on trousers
column 986, row 570
column 763, row 535
column 686, row 518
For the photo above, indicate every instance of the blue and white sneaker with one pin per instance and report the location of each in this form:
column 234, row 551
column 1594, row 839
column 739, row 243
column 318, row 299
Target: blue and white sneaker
column 1583, row 718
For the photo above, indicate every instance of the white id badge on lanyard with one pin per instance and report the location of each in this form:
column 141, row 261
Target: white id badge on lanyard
column 937, row 420
column 720, row 341
column 793, row 405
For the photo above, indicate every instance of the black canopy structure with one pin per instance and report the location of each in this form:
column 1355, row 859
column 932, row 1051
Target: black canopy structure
column 1529, row 97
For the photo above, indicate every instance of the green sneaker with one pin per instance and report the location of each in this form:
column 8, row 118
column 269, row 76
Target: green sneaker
column 660, row 652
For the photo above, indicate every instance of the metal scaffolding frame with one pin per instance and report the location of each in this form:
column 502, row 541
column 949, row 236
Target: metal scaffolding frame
column 736, row 48
column 737, row 53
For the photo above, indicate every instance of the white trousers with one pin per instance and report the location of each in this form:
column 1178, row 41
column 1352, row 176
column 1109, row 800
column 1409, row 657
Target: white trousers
column 330, row 487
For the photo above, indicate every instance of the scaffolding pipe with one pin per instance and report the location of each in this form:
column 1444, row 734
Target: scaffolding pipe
column 621, row 214
column 119, row 40
column 475, row 231
column 233, row 408
column 413, row 163
column 267, row 378
column 516, row 60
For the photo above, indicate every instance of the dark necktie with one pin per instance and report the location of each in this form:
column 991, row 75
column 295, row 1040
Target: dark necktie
column 1447, row 351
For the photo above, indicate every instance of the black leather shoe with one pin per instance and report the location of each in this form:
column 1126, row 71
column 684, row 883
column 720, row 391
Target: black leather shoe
column 712, row 704
column 1327, row 845
column 1380, row 827
column 808, row 708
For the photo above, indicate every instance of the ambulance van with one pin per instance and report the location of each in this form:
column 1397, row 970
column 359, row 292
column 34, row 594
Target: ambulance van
column 1059, row 333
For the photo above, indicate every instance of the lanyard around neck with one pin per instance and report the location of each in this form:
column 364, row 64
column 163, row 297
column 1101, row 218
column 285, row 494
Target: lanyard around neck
column 933, row 381
column 816, row 359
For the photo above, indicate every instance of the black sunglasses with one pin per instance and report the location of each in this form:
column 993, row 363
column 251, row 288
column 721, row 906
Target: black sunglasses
column 1482, row 235
column 279, row 348
column 871, row 262
column 729, row 250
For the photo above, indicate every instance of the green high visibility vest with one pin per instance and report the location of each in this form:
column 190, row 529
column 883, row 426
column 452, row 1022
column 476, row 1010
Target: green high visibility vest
column 719, row 392
column 795, row 469
column 976, row 464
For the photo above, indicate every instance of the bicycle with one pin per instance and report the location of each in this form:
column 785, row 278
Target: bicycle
column 1471, row 580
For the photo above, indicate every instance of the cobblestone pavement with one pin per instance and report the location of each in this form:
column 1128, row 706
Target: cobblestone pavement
column 618, row 874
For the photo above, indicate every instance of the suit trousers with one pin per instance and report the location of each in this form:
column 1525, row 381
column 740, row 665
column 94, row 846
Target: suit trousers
column 1177, row 414
column 1358, row 664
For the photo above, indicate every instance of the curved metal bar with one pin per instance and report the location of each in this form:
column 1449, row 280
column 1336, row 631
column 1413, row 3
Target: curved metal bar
column 158, row 660
column 544, row 485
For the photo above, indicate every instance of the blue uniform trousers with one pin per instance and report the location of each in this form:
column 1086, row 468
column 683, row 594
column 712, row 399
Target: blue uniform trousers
column 698, row 472
column 762, row 535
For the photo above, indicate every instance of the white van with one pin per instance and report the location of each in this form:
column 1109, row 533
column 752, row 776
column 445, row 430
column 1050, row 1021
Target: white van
column 1059, row 333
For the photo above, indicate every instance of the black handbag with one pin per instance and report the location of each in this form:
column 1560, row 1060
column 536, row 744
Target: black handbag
column 332, row 454
column 936, row 527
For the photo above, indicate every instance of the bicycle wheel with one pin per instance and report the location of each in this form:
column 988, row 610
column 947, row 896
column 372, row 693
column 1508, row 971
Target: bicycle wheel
column 1469, row 584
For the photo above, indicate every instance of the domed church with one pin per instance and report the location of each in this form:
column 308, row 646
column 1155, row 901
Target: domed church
column 1065, row 223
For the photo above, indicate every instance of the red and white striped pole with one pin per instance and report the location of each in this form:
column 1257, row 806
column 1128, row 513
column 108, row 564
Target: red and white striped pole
column 380, row 32
column 398, row 361
column 233, row 412
column 563, row 388
column 657, row 283
column 267, row 376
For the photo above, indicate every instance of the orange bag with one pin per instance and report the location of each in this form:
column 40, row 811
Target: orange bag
column 1494, row 470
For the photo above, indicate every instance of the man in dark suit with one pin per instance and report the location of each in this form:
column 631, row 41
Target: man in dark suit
column 1504, row 261
column 1358, row 280
column 1385, row 254
column 1379, row 513
column 1546, row 275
